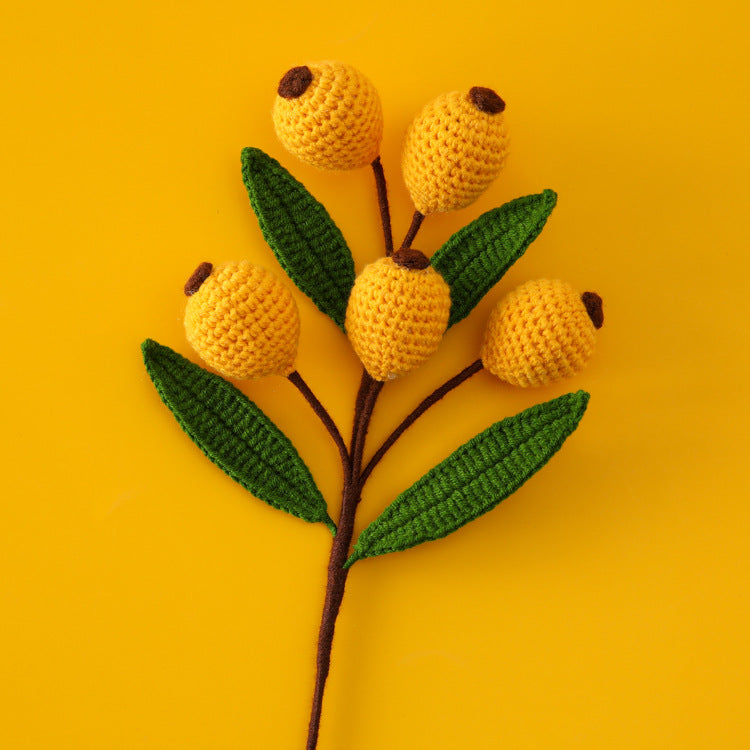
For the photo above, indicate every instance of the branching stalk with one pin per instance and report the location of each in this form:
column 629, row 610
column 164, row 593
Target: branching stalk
column 296, row 379
column 416, row 223
column 432, row 399
column 385, row 211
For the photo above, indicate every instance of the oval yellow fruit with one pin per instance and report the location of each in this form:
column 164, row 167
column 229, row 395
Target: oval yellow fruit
column 541, row 332
column 242, row 321
column 454, row 149
column 329, row 115
column 397, row 314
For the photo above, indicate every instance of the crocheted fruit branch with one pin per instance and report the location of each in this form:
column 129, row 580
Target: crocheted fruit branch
column 243, row 322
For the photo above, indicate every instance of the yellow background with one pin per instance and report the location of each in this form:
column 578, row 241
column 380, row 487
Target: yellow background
column 148, row 602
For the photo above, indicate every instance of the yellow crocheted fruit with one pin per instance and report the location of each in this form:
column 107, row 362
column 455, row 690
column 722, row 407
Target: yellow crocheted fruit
column 454, row 149
column 242, row 321
column 396, row 316
column 329, row 115
column 542, row 332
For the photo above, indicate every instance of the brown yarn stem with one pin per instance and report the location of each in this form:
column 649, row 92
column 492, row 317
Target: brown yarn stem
column 432, row 399
column 296, row 379
column 337, row 574
column 385, row 211
column 416, row 222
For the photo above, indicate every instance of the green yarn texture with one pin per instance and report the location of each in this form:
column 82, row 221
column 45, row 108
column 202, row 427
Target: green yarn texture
column 235, row 434
column 306, row 241
column 474, row 478
column 476, row 257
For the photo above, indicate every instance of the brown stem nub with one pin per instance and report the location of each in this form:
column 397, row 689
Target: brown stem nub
column 416, row 222
column 594, row 307
column 296, row 379
column 193, row 284
column 432, row 399
column 408, row 257
column 337, row 574
column 295, row 82
column 486, row 100
column 385, row 211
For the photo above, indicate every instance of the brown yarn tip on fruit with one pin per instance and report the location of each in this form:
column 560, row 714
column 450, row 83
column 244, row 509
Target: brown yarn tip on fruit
column 193, row 284
column 486, row 100
column 243, row 322
column 295, row 82
column 454, row 149
column 329, row 115
column 414, row 260
column 594, row 307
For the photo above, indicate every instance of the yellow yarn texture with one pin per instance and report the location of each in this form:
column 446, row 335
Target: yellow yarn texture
column 538, row 334
column 243, row 322
column 452, row 153
column 396, row 317
column 337, row 123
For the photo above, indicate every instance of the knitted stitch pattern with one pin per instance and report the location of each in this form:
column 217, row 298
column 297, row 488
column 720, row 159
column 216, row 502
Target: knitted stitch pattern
column 243, row 322
column 538, row 334
column 452, row 152
column 396, row 317
column 235, row 434
column 476, row 257
column 474, row 478
column 337, row 123
column 304, row 238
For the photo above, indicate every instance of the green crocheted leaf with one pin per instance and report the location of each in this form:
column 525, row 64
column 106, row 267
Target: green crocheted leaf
column 304, row 238
column 235, row 434
column 476, row 257
column 473, row 479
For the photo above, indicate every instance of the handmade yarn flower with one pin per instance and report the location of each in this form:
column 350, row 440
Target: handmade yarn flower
column 243, row 322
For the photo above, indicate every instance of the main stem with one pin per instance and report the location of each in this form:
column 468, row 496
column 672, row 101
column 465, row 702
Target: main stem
column 337, row 574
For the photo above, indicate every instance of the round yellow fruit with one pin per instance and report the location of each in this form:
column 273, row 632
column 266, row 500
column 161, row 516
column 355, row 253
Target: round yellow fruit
column 397, row 314
column 542, row 332
column 329, row 115
column 241, row 320
column 454, row 149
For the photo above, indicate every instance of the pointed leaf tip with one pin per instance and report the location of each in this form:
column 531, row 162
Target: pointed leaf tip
column 251, row 156
column 476, row 257
column 550, row 198
column 304, row 238
column 248, row 152
column 579, row 403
